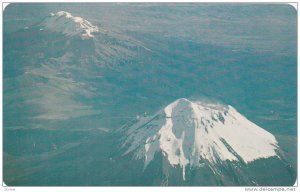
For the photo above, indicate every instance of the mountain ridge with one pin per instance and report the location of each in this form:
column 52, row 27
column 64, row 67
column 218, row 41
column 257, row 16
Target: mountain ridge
column 69, row 25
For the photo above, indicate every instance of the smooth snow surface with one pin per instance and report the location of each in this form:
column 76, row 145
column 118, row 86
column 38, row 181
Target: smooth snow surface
column 64, row 22
column 187, row 132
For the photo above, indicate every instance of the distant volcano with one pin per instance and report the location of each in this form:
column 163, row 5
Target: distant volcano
column 69, row 25
column 72, row 59
column 190, row 133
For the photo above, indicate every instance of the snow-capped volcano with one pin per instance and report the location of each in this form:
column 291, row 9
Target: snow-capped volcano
column 190, row 133
column 66, row 23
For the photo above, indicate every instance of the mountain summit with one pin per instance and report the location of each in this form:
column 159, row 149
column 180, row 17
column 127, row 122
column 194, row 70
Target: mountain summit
column 64, row 22
column 195, row 133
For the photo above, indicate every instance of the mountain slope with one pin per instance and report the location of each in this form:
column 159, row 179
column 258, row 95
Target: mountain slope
column 57, row 66
column 187, row 133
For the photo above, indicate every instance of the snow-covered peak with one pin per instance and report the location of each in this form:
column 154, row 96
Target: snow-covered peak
column 64, row 22
column 188, row 133
column 62, row 13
